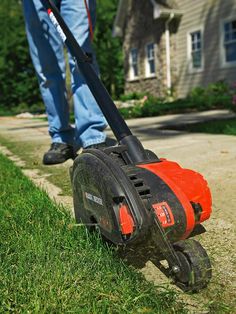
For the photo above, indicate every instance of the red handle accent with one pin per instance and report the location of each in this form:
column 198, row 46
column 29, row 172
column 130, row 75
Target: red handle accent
column 89, row 20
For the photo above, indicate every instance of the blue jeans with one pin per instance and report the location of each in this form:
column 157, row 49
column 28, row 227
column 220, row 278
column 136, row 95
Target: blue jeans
column 47, row 53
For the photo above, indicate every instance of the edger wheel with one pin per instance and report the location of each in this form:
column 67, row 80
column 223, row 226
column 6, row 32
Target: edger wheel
column 196, row 272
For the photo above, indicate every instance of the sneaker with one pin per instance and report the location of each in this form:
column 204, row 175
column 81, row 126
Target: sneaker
column 58, row 153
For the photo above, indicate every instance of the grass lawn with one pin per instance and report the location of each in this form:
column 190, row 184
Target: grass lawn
column 48, row 265
column 227, row 127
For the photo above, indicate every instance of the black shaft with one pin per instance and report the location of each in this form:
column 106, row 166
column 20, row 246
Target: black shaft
column 106, row 104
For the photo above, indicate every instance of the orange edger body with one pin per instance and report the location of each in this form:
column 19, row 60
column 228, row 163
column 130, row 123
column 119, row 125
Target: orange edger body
column 191, row 190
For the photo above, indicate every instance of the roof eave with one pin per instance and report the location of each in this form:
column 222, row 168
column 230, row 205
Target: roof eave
column 119, row 23
column 159, row 12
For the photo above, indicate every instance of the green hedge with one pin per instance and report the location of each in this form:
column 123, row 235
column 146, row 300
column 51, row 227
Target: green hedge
column 18, row 82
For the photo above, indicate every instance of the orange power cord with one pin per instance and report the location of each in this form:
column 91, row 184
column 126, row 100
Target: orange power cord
column 89, row 20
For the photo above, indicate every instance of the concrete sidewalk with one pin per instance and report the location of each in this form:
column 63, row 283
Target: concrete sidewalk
column 194, row 150
column 147, row 129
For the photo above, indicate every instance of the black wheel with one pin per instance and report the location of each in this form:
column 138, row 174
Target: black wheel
column 196, row 269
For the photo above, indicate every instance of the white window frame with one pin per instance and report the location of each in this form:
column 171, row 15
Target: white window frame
column 191, row 69
column 132, row 76
column 223, row 62
column 147, row 60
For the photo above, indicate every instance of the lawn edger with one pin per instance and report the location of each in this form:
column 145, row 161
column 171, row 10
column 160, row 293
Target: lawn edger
column 132, row 195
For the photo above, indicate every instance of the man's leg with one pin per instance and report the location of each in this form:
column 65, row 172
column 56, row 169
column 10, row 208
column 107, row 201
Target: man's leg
column 89, row 119
column 46, row 49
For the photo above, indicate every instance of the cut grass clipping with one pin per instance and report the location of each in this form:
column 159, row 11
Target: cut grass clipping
column 50, row 266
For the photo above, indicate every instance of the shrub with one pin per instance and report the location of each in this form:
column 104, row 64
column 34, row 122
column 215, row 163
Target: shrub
column 233, row 103
column 18, row 82
column 216, row 95
column 24, row 107
column 132, row 96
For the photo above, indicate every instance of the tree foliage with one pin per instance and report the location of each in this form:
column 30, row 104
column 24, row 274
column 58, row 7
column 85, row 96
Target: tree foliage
column 109, row 49
column 18, row 82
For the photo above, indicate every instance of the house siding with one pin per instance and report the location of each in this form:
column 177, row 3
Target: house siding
column 207, row 14
column 140, row 30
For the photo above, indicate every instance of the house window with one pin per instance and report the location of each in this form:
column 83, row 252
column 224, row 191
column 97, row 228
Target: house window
column 230, row 41
column 150, row 60
column 196, row 49
column 134, row 71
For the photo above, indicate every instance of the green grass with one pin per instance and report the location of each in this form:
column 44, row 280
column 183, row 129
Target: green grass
column 227, row 127
column 48, row 265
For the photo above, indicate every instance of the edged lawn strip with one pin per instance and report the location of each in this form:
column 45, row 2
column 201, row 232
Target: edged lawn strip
column 48, row 265
column 59, row 175
column 226, row 126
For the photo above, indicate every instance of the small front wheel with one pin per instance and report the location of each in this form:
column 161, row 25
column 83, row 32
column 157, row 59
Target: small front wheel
column 196, row 269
